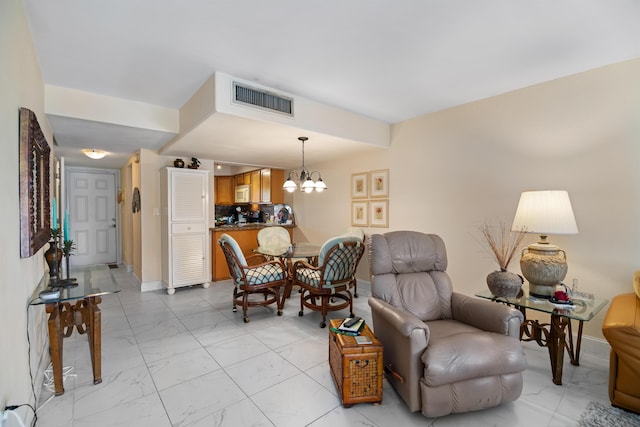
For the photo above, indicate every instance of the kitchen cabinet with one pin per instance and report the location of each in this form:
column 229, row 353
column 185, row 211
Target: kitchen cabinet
column 224, row 190
column 265, row 186
column 247, row 239
column 255, row 193
column 184, row 206
column 272, row 180
column 243, row 179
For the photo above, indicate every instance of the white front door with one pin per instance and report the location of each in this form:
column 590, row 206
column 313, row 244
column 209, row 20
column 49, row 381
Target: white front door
column 92, row 216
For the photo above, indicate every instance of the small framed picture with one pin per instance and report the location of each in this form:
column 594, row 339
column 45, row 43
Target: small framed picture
column 379, row 213
column 379, row 184
column 359, row 182
column 359, row 214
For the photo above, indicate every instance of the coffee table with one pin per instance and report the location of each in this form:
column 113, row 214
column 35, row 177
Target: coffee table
column 77, row 307
column 556, row 335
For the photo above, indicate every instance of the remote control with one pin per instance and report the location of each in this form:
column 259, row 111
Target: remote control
column 352, row 322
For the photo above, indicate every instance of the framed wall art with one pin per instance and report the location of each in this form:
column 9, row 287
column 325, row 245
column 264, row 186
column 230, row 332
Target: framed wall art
column 379, row 184
column 359, row 183
column 379, row 213
column 359, row 214
column 35, row 207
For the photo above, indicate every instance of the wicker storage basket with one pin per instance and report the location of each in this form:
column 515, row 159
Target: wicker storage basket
column 356, row 368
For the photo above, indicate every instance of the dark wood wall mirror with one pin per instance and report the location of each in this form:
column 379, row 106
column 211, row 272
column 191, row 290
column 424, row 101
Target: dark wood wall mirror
column 35, row 203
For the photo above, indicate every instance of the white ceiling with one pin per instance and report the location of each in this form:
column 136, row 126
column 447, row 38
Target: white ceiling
column 387, row 59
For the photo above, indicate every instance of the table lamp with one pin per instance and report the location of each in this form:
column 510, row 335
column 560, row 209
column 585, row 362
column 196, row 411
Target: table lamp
column 543, row 264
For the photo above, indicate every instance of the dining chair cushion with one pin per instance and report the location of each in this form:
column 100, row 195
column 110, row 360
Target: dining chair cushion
column 308, row 276
column 234, row 247
column 265, row 273
column 274, row 237
column 331, row 243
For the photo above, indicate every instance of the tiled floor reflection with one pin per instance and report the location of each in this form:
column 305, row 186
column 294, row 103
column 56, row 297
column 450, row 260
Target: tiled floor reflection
column 188, row 360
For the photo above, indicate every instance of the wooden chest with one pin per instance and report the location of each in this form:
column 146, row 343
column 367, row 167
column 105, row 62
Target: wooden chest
column 356, row 368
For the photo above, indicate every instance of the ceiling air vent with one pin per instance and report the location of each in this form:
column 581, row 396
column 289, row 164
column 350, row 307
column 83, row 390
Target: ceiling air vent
column 262, row 99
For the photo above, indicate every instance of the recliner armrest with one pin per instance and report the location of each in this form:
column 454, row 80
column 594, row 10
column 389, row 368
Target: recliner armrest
column 402, row 321
column 486, row 315
column 404, row 337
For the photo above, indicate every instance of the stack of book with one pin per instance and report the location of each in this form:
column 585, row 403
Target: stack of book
column 351, row 326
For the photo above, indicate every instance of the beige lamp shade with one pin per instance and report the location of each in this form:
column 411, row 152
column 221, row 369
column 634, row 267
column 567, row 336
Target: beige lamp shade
column 545, row 212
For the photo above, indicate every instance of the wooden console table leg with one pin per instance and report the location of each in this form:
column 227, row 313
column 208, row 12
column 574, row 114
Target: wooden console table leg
column 95, row 337
column 55, row 346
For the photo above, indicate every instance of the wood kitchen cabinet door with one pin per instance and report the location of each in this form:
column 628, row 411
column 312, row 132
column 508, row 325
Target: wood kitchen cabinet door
column 224, row 190
column 277, row 192
column 255, row 194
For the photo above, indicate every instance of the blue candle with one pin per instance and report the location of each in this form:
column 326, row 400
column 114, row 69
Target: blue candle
column 54, row 215
column 66, row 225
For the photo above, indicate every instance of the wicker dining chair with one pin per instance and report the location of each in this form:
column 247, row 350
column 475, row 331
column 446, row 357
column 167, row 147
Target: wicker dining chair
column 332, row 279
column 253, row 275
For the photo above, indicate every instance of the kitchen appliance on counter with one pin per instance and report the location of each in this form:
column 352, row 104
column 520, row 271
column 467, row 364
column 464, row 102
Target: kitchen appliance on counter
column 255, row 216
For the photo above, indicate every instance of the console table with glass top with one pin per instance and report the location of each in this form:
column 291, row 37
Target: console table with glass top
column 556, row 335
column 77, row 307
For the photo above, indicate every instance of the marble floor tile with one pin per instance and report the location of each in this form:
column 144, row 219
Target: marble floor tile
column 162, row 348
column 236, row 349
column 243, row 413
column 114, row 391
column 181, row 367
column 218, row 331
column 261, row 372
column 161, row 328
column 195, row 399
column 306, row 401
column 147, row 411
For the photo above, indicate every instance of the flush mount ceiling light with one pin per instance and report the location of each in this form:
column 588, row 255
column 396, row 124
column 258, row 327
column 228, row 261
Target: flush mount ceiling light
column 303, row 178
column 94, row 154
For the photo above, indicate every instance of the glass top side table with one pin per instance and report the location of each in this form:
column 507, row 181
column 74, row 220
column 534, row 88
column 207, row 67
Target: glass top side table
column 76, row 307
column 556, row 335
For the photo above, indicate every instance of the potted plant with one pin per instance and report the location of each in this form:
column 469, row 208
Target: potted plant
column 195, row 163
column 67, row 249
column 502, row 244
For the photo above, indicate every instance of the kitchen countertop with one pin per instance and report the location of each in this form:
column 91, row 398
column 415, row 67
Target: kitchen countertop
column 249, row 226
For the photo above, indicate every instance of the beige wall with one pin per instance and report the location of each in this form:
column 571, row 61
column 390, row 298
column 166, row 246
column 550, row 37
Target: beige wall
column 21, row 85
column 451, row 170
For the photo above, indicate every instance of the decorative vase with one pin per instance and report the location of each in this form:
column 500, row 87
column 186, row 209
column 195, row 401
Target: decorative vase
column 504, row 283
column 545, row 267
column 53, row 256
column 179, row 163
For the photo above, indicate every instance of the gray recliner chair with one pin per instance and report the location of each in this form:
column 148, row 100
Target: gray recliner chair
column 445, row 352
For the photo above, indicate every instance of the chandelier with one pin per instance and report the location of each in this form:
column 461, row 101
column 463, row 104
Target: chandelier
column 304, row 178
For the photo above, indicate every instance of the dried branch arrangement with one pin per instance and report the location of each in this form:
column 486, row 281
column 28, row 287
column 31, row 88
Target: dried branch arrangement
column 501, row 242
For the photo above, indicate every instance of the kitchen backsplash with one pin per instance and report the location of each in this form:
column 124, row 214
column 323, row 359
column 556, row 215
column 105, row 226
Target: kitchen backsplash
column 255, row 212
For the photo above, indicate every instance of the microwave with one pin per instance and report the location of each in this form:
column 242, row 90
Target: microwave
column 242, row 194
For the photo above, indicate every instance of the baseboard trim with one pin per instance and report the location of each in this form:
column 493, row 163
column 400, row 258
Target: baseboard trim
column 596, row 347
column 151, row 286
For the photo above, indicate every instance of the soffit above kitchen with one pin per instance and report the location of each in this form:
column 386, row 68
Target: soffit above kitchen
column 220, row 123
